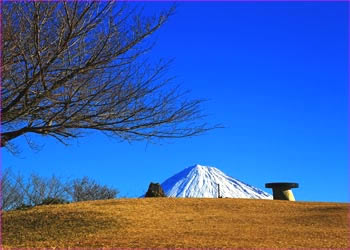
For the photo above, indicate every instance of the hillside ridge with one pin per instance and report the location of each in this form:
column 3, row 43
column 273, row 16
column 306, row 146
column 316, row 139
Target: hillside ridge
column 179, row 223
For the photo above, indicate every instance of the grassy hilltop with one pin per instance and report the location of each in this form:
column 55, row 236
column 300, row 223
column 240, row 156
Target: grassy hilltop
column 175, row 222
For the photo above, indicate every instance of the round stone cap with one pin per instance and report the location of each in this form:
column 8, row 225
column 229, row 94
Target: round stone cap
column 287, row 185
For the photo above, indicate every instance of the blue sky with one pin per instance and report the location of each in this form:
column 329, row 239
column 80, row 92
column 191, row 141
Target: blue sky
column 276, row 76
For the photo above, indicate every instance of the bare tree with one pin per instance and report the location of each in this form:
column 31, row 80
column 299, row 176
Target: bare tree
column 70, row 67
column 20, row 192
column 36, row 189
column 86, row 189
column 11, row 193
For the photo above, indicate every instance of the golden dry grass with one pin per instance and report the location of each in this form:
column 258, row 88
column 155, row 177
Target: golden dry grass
column 183, row 223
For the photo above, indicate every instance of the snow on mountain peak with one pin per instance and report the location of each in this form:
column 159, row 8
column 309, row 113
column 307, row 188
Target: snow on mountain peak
column 202, row 181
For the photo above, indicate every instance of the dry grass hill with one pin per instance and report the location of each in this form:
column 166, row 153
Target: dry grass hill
column 183, row 223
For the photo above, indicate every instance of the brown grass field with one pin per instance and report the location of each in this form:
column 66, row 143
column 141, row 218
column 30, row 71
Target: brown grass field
column 180, row 223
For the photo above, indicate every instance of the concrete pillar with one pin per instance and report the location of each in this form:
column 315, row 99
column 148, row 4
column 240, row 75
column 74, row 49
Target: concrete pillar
column 282, row 190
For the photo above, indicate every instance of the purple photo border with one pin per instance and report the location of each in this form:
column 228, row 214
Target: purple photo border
column 1, row 2
column 0, row 124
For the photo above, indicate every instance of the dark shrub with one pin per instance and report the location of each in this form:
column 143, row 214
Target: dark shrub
column 23, row 207
column 52, row 201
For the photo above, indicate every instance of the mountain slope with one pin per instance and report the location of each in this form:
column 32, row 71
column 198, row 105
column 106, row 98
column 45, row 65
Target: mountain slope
column 202, row 182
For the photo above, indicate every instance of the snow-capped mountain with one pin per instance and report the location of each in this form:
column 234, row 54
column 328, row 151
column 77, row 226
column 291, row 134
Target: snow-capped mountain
column 201, row 181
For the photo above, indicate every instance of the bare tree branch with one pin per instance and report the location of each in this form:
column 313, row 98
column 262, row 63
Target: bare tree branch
column 75, row 66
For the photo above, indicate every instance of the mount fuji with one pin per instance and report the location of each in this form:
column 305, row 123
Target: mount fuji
column 202, row 182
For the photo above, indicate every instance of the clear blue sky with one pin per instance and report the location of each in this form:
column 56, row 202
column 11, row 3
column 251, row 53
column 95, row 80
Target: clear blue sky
column 276, row 74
